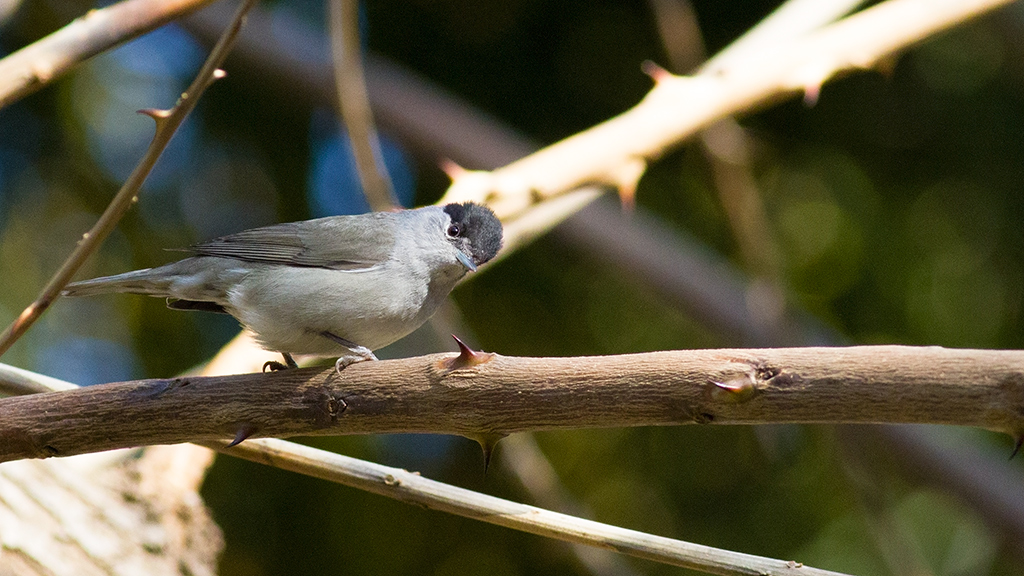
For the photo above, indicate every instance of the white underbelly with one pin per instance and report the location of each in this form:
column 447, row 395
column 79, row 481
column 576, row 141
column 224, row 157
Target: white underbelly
column 290, row 309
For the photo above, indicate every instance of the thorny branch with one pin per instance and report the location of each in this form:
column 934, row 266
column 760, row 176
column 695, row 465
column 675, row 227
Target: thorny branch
column 500, row 395
column 167, row 122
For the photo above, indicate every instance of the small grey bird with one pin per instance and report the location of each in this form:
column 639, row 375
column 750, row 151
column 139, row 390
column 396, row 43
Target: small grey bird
column 343, row 285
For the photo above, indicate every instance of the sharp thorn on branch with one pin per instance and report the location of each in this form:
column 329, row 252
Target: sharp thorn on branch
column 453, row 170
column 245, row 431
column 811, row 94
column 655, row 71
column 155, row 113
column 467, row 358
column 487, row 443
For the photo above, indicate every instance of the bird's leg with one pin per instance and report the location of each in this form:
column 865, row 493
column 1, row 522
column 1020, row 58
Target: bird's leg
column 276, row 366
column 359, row 353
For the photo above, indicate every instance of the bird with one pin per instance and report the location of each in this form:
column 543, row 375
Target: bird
column 345, row 285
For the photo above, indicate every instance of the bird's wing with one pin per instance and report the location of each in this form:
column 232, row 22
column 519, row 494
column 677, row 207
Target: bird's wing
column 337, row 242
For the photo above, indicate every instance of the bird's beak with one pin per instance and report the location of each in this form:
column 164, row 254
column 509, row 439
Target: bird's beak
column 465, row 260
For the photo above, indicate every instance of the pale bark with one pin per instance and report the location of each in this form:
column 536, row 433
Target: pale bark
column 42, row 62
column 111, row 513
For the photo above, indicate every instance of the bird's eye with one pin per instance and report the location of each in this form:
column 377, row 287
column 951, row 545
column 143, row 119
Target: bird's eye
column 454, row 230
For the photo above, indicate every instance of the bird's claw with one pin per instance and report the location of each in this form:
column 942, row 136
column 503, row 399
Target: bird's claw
column 273, row 366
column 346, row 361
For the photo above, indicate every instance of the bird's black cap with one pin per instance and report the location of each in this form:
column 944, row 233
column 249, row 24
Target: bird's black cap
column 479, row 226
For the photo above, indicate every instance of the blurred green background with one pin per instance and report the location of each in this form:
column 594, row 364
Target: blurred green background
column 893, row 205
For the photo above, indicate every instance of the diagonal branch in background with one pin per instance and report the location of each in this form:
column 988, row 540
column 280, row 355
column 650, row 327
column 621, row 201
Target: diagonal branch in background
column 614, row 152
column 677, row 107
column 793, row 19
column 42, row 62
column 167, row 122
column 861, row 384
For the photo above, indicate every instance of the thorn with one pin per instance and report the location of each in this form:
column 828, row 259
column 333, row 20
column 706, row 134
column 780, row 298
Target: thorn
column 811, row 83
column 453, row 170
column 626, row 178
column 656, row 72
column 735, row 390
column 466, row 358
column 811, row 77
column 1017, row 445
column 627, row 198
column 155, row 113
column 886, row 66
column 245, row 431
column 487, row 443
column 811, row 93
column 469, row 184
column 737, row 385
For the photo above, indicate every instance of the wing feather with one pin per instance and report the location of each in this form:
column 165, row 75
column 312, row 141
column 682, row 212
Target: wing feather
column 336, row 242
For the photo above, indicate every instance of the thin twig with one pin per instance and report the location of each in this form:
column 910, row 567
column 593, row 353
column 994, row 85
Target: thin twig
column 412, row 488
column 46, row 60
column 167, row 122
column 354, row 104
column 525, row 460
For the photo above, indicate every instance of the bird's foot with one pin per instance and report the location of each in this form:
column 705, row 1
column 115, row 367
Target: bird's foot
column 358, row 353
column 276, row 366
column 361, row 354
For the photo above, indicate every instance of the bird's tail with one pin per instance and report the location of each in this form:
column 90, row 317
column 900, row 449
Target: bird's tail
column 151, row 281
column 194, row 279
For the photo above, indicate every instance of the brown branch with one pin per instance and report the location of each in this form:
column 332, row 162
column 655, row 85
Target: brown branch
column 167, row 122
column 866, row 384
column 42, row 62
